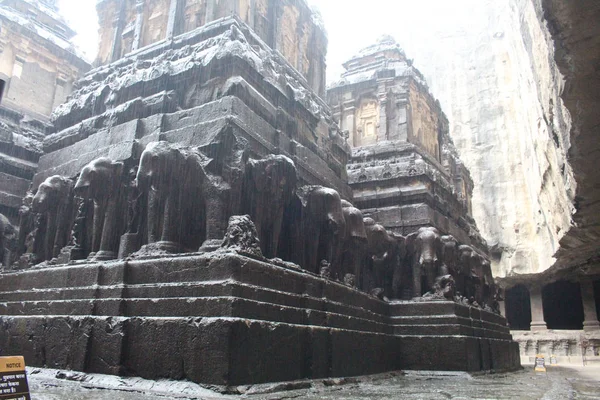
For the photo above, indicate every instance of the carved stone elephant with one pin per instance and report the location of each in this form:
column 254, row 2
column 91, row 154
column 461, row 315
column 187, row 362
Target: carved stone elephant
column 102, row 181
column 268, row 190
column 26, row 225
column 381, row 258
column 322, row 226
column 401, row 279
column 487, row 286
column 8, row 238
column 448, row 256
column 467, row 258
column 53, row 201
column 173, row 179
column 354, row 246
column 423, row 246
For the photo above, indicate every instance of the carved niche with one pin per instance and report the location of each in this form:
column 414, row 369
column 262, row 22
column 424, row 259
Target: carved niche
column 367, row 122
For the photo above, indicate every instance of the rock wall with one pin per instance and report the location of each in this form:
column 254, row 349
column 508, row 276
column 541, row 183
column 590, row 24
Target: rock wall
column 497, row 80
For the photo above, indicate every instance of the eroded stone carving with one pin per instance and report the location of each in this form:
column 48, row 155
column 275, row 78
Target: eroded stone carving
column 423, row 246
column 53, row 204
column 242, row 237
column 381, row 258
column 352, row 259
column 269, row 187
column 102, row 182
column 173, row 179
column 322, row 226
column 8, row 236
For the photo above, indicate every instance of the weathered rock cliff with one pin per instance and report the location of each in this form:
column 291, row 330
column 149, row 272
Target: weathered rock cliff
column 498, row 82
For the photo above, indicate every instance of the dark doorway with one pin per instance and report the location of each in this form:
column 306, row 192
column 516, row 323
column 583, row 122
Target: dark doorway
column 518, row 307
column 563, row 308
column 597, row 296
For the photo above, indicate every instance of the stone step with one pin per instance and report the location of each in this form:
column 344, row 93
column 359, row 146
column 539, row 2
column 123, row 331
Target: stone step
column 193, row 307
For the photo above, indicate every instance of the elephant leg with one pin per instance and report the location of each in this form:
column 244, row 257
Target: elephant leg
column 216, row 218
column 154, row 210
column 430, row 277
column 50, row 236
column 99, row 216
column 39, row 238
column 397, row 282
column 311, row 249
column 109, row 244
column 63, row 231
column 275, row 234
column 170, row 239
column 417, row 279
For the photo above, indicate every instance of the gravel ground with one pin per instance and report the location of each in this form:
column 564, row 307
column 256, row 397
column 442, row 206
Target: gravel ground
column 562, row 382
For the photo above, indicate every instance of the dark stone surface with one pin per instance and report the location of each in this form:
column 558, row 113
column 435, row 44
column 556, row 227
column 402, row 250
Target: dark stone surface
column 226, row 319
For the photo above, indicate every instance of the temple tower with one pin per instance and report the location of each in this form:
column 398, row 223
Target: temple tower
column 405, row 171
column 38, row 67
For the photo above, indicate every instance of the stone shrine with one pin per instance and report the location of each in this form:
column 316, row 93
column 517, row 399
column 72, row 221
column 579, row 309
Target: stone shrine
column 405, row 172
column 192, row 219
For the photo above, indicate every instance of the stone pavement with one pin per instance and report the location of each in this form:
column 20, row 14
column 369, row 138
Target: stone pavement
column 562, row 382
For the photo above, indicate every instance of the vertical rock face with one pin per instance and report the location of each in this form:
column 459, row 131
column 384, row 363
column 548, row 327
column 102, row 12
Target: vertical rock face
column 576, row 33
column 501, row 90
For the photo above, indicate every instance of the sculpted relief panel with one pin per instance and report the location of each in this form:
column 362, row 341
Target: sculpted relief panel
column 424, row 125
column 288, row 39
column 179, row 199
column 194, row 14
column 155, row 24
column 367, row 122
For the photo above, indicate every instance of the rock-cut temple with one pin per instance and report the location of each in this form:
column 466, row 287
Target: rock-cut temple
column 205, row 209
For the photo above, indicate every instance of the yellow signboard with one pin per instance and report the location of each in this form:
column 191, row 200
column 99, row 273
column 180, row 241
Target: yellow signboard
column 540, row 363
column 13, row 379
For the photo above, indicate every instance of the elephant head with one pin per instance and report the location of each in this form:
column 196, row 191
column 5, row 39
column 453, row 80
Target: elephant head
column 157, row 163
column 350, row 264
column 324, row 207
column 355, row 226
column 424, row 245
column 98, row 178
column 382, row 259
column 268, row 190
column 173, row 179
column 323, row 225
column 101, row 180
column 51, row 193
column 466, row 259
column 449, row 254
column 274, row 176
column 54, row 200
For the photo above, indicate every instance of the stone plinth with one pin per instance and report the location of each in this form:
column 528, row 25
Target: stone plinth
column 224, row 319
column 569, row 346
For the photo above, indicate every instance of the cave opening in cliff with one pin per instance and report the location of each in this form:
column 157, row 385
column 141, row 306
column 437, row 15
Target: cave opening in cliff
column 563, row 308
column 518, row 307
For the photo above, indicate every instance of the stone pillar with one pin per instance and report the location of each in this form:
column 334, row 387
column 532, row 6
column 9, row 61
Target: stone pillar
column 210, row 11
column 590, row 322
column 349, row 122
column 139, row 23
column 175, row 17
column 118, row 23
column 382, row 132
column 537, row 310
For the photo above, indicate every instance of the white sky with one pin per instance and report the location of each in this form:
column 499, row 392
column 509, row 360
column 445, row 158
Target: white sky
column 351, row 24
